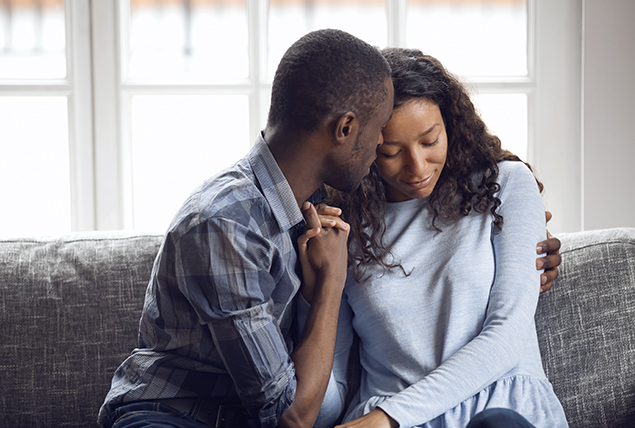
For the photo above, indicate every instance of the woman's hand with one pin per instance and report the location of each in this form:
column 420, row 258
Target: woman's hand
column 330, row 217
column 551, row 261
column 323, row 221
column 375, row 419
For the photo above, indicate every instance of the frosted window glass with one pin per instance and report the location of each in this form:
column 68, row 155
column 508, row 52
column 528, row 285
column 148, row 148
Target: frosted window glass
column 472, row 38
column 204, row 40
column 32, row 39
column 177, row 142
column 35, row 191
column 291, row 19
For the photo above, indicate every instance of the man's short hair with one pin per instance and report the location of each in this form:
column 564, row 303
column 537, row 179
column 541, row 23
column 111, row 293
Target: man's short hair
column 324, row 72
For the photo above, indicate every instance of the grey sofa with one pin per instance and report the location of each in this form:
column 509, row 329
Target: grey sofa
column 71, row 306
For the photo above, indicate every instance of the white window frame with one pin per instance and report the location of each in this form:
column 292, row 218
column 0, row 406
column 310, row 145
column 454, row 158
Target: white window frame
column 76, row 87
column 99, row 97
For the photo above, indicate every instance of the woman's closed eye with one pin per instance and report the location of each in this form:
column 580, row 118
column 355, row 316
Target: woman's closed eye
column 430, row 144
column 389, row 155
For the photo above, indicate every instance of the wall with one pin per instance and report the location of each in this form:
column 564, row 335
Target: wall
column 557, row 126
column 608, row 111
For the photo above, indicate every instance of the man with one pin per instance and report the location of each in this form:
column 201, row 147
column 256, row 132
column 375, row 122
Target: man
column 217, row 343
column 218, row 340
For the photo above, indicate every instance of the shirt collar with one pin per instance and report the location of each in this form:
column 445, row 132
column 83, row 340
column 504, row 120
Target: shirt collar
column 275, row 187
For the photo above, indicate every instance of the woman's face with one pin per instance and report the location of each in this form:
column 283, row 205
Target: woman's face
column 414, row 150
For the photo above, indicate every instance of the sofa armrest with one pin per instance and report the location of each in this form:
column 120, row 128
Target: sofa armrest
column 586, row 328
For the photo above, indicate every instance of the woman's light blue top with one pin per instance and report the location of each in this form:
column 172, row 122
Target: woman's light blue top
column 457, row 334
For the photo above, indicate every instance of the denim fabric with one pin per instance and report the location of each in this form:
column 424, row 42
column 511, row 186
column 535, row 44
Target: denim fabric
column 150, row 414
column 499, row 418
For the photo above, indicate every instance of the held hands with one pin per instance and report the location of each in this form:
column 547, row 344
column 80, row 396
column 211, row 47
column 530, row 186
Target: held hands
column 322, row 247
column 551, row 261
column 377, row 418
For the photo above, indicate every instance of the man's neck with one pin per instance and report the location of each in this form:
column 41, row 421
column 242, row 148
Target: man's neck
column 299, row 164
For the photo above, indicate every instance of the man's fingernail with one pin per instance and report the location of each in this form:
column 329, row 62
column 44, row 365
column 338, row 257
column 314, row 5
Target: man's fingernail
column 543, row 279
column 540, row 249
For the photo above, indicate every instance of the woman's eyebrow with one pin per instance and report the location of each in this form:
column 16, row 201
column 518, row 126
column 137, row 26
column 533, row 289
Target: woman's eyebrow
column 423, row 134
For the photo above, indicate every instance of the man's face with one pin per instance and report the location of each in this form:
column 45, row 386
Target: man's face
column 364, row 150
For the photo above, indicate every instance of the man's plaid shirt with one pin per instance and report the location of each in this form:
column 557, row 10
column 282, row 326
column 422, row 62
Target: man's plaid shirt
column 218, row 319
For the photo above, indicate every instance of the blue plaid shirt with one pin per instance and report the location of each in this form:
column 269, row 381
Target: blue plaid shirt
column 219, row 317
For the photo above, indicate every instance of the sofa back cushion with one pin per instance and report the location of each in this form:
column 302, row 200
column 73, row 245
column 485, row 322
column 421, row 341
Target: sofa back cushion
column 71, row 308
column 586, row 329
column 70, row 312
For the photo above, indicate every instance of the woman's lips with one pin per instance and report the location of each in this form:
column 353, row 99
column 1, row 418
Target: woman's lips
column 420, row 184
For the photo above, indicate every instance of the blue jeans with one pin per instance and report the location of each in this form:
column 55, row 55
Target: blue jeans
column 150, row 414
column 499, row 418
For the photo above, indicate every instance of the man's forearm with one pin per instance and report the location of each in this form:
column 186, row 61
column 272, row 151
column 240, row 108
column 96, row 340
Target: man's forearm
column 313, row 357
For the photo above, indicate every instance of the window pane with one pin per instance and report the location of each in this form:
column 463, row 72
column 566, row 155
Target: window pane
column 202, row 40
column 34, row 166
column 32, row 39
column 475, row 38
column 506, row 117
column 177, row 142
column 291, row 19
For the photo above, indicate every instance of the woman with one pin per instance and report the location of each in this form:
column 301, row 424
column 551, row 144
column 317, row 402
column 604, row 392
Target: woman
column 442, row 287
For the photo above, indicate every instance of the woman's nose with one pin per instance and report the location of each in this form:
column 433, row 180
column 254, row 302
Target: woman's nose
column 418, row 163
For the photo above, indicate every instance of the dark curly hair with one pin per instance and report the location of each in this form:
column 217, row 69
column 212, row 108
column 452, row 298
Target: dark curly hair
column 326, row 71
column 467, row 181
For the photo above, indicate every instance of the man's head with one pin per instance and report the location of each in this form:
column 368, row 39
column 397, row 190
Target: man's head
column 326, row 72
column 332, row 76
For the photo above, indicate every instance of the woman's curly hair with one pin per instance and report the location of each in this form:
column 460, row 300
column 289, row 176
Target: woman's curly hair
column 467, row 181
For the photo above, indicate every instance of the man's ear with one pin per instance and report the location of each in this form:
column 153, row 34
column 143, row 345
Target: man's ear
column 346, row 128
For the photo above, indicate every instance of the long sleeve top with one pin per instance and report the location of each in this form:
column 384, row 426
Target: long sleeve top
column 456, row 335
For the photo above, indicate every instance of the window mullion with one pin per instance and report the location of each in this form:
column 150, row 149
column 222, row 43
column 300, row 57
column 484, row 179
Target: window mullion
column 106, row 88
column 396, row 15
column 80, row 116
column 257, row 27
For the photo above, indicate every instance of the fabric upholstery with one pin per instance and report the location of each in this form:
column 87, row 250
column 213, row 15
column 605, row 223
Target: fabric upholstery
column 71, row 307
column 70, row 311
column 586, row 329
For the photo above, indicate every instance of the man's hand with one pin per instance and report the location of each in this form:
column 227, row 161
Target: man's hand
column 375, row 419
column 550, row 263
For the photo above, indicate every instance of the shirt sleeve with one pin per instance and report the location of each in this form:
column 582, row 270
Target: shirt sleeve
column 500, row 345
column 228, row 272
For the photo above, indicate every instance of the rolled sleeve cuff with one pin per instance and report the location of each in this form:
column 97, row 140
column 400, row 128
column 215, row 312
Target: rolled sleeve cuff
column 270, row 413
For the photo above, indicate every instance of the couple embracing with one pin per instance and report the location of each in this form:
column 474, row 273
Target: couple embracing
column 424, row 246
